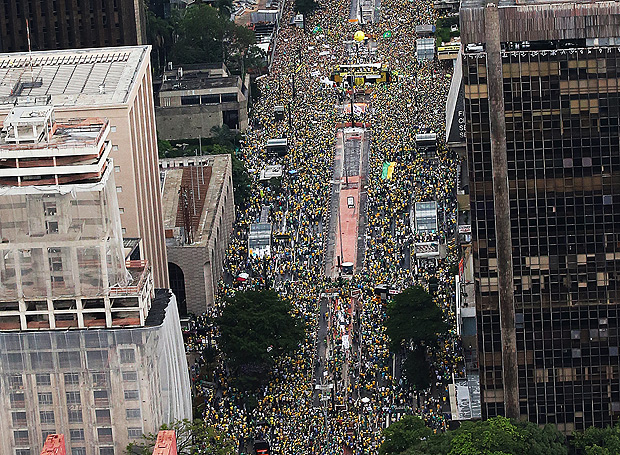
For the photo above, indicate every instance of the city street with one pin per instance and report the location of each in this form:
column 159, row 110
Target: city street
column 347, row 230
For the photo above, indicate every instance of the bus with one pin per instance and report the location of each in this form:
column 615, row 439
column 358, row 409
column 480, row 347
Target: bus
column 361, row 73
column 277, row 147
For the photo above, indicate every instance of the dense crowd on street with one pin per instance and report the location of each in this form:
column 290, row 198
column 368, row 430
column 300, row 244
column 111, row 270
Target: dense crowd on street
column 285, row 413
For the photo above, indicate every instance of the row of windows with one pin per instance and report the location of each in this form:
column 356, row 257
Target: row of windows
column 47, row 398
column 71, row 359
column 74, row 451
column 104, row 435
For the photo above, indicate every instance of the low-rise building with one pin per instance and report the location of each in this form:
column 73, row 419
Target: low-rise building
column 199, row 211
column 195, row 98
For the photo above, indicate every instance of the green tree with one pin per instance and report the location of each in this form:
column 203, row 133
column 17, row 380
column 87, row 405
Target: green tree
column 256, row 327
column 241, row 182
column 416, row 369
column 163, row 147
column 496, row 436
column 193, row 438
column 224, row 136
column 408, row 433
column 413, row 317
column 207, row 35
column 598, row 441
column 159, row 34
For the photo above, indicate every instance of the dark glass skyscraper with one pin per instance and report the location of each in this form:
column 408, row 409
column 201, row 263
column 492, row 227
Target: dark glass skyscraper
column 541, row 85
column 70, row 24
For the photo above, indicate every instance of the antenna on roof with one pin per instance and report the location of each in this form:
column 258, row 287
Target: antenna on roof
column 29, row 52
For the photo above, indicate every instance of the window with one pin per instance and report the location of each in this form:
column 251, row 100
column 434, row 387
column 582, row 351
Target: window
column 72, row 379
column 130, row 376
column 78, row 451
column 19, row 419
column 117, row 168
column 210, row 99
column 101, row 398
column 115, row 148
column 229, row 97
column 106, row 451
column 123, row 230
column 76, row 434
column 55, row 263
column 128, row 356
column 100, row 380
column 16, row 381
column 46, row 433
column 119, row 189
column 51, row 227
column 21, row 437
column 70, row 359
column 134, row 433
column 132, row 414
column 103, row 416
column 47, row 417
column 17, row 400
column 22, row 451
column 132, row 395
column 43, row 379
column 121, row 210
column 75, row 415
column 104, row 434
column 112, row 129
column 49, row 208
column 45, row 398
column 189, row 100
column 73, row 398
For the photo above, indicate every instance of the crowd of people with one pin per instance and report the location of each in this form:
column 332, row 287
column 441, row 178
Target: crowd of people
column 285, row 413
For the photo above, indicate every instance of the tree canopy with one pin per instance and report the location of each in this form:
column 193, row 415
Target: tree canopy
column 598, row 441
column 305, row 6
column 255, row 328
column 193, row 438
column 406, row 434
column 200, row 33
column 496, row 436
column 413, row 317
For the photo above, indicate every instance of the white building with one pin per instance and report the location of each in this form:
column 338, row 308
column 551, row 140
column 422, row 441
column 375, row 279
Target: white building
column 88, row 348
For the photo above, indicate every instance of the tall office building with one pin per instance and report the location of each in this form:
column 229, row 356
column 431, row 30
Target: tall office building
column 113, row 83
column 88, row 347
column 71, row 24
column 541, row 88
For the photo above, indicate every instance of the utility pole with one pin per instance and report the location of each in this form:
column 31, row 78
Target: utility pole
column 290, row 117
column 353, row 101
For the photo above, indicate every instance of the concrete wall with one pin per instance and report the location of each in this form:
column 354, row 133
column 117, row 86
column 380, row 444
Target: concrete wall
column 187, row 122
column 202, row 264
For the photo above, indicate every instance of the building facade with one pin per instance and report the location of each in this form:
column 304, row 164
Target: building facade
column 112, row 83
column 199, row 211
column 88, row 348
column 71, row 24
column 541, row 111
column 195, row 98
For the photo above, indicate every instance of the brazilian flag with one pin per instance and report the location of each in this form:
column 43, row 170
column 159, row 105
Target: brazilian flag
column 390, row 170
column 387, row 34
column 384, row 173
column 317, row 29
